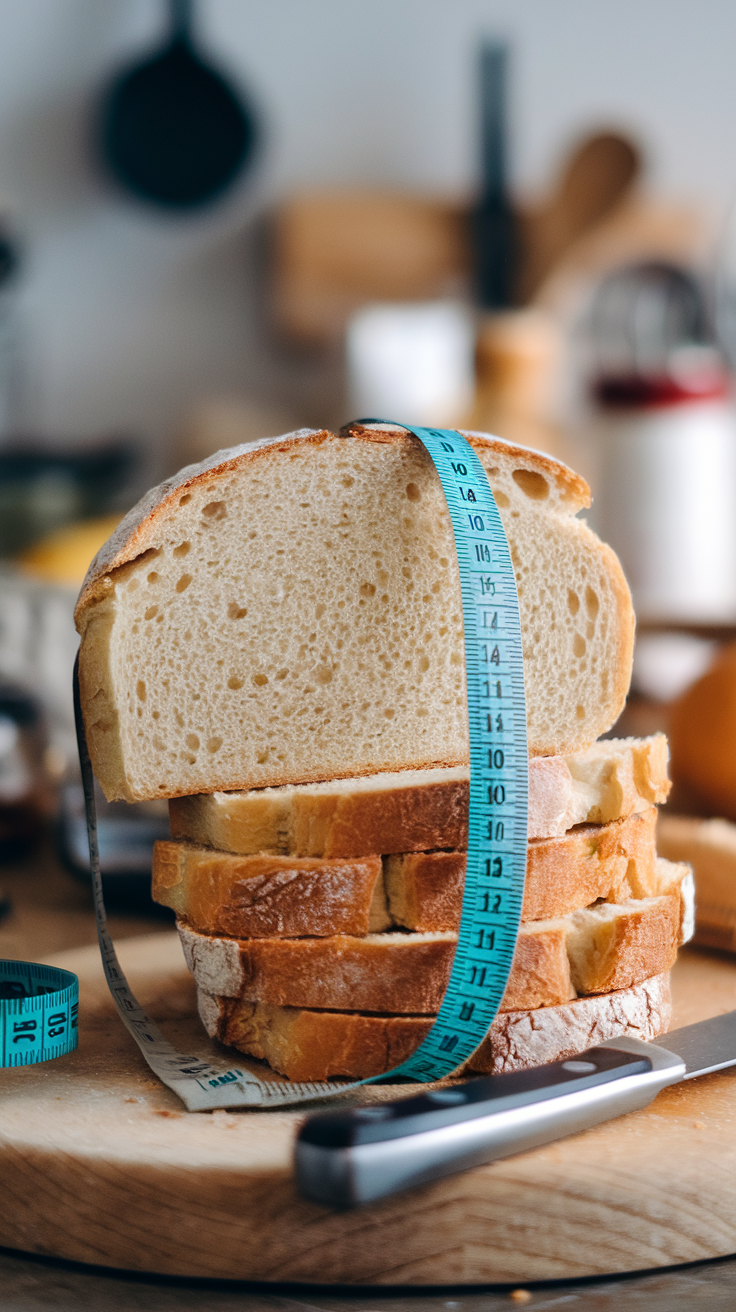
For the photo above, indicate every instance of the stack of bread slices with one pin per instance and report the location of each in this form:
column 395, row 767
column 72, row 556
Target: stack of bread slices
column 320, row 921
column 273, row 640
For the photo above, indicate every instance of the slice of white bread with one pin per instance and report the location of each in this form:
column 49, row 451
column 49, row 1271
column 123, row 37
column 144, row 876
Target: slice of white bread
column 267, row 896
column 321, row 1045
column 290, row 611
column 612, row 862
column 601, row 948
column 710, row 848
column 416, row 811
column 519, row 1039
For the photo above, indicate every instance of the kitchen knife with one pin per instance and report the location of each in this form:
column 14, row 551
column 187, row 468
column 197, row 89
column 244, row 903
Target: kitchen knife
column 356, row 1156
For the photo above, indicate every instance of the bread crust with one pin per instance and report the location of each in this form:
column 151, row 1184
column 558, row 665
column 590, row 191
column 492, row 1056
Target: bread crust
column 591, row 951
column 518, row 1040
column 313, row 1045
column 263, row 896
column 138, row 530
column 613, row 862
column 120, row 731
column 405, row 974
column 384, row 813
column 269, row 896
column 417, row 811
column 309, row 1045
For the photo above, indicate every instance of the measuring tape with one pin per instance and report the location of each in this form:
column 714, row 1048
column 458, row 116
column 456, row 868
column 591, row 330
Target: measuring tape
column 38, row 1012
column 497, row 831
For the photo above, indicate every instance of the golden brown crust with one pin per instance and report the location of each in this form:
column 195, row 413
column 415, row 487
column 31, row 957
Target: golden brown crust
column 322, row 1045
column 614, row 861
column 137, row 531
column 594, row 950
column 540, row 972
column 269, row 896
column 573, row 487
column 417, row 812
column 395, row 973
column 425, row 889
column 263, row 896
column 401, row 816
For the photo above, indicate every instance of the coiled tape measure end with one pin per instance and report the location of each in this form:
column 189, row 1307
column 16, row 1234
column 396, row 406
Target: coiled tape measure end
column 497, row 838
column 38, row 1013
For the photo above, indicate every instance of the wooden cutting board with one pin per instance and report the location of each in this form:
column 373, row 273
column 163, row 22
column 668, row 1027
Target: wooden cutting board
column 100, row 1163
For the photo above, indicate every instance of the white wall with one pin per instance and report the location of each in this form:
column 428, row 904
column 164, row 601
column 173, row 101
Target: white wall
column 133, row 315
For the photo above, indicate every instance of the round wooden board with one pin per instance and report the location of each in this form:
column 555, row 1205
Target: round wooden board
column 101, row 1164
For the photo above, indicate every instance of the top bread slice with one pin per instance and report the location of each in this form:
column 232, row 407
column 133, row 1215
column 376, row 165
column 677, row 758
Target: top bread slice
column 290, row 611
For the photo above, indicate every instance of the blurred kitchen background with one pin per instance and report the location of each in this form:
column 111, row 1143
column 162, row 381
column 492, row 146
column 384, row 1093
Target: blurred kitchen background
column 226, row 219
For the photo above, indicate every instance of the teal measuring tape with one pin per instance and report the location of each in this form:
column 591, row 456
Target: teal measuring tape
column 499, row 765
column 497, row 834
column 38, row 1012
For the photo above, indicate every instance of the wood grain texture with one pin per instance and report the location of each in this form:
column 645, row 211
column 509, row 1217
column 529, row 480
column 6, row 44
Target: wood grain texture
column 101, row 1164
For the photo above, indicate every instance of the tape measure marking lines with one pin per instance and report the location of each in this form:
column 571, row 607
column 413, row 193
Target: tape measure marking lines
column 38, row 1013
column 497, row 832
column 497, row 837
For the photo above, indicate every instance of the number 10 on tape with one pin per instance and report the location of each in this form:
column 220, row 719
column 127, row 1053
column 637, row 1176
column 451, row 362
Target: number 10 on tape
column 497, row 837
column 497, row 828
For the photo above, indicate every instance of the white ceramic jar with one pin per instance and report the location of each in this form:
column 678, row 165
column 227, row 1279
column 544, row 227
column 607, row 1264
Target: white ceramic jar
column 665, row 499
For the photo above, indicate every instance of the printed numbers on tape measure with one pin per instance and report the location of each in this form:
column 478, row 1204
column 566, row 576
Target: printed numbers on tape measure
column 24, row 1029
column 56, row 1025
column 38, row 1013
column 497, row 820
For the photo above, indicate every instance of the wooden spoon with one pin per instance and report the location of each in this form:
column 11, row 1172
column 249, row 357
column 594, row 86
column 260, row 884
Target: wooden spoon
column 597, row 176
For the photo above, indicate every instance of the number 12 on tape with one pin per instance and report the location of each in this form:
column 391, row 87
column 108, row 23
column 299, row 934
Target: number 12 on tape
column 497, row 828
column 497, row 833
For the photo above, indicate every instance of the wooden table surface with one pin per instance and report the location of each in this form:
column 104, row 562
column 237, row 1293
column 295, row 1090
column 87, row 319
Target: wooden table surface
column 50, row 912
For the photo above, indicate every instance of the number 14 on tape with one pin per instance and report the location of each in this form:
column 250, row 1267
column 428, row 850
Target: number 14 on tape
column 497, row 832
column 497, row 821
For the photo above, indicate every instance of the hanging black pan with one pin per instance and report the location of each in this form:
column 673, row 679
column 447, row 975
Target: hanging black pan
column 172, row 130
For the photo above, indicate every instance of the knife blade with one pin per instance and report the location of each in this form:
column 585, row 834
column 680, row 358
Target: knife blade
column 343, row 1158
column 706, row 1046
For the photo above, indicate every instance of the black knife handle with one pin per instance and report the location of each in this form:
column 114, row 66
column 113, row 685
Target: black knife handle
column 356, row 1156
